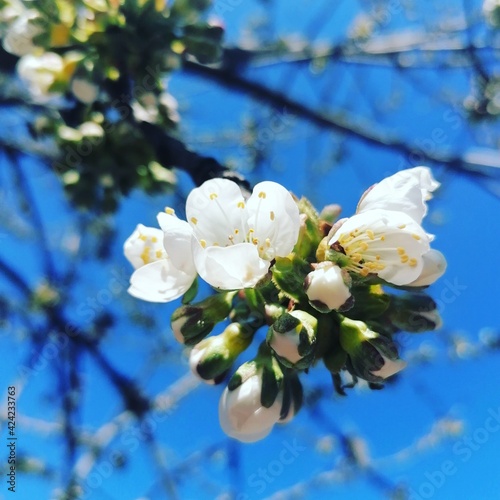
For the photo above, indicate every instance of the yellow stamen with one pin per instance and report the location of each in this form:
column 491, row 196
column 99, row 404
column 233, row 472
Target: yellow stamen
column 241, row 204
column 370, row 234
column 203, row 243
column 169, row 211
column 413, row 262
column 271, row 215
column 401, row 250
column 213, row 196
column 145, row 255
column 262, row 195
column 416, row 236
column 194, row 220
column 158, row 254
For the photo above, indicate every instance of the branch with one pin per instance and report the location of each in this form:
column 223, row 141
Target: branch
column 171, row 151
column 368, row 135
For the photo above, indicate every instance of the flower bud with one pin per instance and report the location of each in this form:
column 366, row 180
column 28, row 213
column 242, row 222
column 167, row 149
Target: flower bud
column 211, row 358
column 326, row 288
column 330, row 213
column 415, row 313
column 371, row 356
column 292, row 337
column 252, row 402
column 192, row 323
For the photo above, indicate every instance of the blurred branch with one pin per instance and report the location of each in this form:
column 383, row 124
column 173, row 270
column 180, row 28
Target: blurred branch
column 171, row 151
column 367, row 132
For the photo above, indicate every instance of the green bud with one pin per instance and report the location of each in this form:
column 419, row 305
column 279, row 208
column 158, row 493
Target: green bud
column 292, row 337
column 211, row 358
column 192, row 323
column 289, row 275
column 414, row 313
column 371, row 356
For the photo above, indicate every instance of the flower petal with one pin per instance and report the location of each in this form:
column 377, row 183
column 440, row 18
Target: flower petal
column 390, row 367
column 405, row 191
column 216, row 210
column 274, row 218
column 159, row 282
column 434, row 267
column 229, row 268
column 144, row 245
column 177, row 241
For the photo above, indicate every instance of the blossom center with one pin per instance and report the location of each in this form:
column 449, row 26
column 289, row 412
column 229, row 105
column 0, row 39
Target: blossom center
column 369, row 252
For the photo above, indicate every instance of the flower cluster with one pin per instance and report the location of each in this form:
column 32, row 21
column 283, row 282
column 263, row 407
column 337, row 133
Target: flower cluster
column 318, row 285
column 103, row 65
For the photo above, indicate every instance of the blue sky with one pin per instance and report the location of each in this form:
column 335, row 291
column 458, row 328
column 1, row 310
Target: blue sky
column 436, row 430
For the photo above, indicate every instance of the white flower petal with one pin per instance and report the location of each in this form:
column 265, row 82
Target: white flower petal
column 177, row 240
column 406, row 191
column 229, row 268
column 274, row 218
column 286, row 346
column 216, row 210
column 144, row 245
column 19, row 37
column 159, row 282
column 390, row 367
column 40, row 72
column 434, row 267
column 387, row 243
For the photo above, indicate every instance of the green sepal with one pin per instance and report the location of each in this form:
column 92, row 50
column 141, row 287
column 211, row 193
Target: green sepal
column 335, row 360
column 242, row 374
column 310, row 234
column 289, row 275
column 190, row 295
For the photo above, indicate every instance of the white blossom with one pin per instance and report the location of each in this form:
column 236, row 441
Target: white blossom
column 157, row 278
column 39, row 73
column 242, row 415
column 18, row 39
column 235, row 241
column 387, row 243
